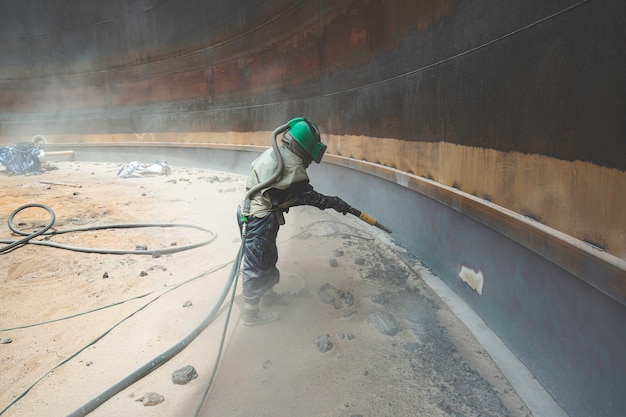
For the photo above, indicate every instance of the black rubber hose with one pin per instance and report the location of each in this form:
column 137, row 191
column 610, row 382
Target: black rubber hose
column 11, row 244
column 165, row 356
column 174, row 350
column 275, row 175
column 219, row 351
column 16, row 243
column 246, row 205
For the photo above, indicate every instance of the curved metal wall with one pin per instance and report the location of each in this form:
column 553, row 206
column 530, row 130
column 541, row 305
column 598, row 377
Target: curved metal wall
column 520, row 103
column 516, row 103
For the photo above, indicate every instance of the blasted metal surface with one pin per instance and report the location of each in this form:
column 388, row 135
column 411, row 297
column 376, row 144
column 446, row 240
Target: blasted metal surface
column 565, row 331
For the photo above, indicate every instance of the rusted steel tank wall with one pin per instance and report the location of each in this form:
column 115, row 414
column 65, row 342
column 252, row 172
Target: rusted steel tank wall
column 519, row 104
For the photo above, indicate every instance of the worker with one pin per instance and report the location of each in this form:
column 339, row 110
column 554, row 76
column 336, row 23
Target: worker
column 300, row 145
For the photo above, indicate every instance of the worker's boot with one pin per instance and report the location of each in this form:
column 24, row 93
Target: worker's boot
column 254, row 316
column 273, row 298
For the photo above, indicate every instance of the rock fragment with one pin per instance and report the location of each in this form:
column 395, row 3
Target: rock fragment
column 184, row 375
column 323, row 343
column 337, row 298
column 150, row 399
column 384, row 323
column 380, row 299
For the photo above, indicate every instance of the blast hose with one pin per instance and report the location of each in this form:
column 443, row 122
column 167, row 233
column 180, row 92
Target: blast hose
column 235, row 271
column 272, row 179
column 230, row 283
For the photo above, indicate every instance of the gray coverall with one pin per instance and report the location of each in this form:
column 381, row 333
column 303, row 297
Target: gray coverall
column 292, row 188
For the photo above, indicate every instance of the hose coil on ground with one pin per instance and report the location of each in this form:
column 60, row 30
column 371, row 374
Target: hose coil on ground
column 12, row 244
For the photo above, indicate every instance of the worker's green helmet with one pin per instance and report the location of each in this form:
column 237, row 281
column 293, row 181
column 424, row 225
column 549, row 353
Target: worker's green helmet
column 307, row 136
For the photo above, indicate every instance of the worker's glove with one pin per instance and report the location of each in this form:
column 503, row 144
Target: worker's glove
column 338, row 204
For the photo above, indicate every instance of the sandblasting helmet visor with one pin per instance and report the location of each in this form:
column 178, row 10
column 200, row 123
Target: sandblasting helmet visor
column 307, row 136
column 318, row 154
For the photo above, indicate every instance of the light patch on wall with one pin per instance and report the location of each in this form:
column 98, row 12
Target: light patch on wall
column 472, row 278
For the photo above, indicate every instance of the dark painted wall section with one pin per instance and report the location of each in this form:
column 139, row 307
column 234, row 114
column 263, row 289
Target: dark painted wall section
column 528, row 76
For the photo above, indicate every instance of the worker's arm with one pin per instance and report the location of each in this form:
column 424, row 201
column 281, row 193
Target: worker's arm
column 303, row 194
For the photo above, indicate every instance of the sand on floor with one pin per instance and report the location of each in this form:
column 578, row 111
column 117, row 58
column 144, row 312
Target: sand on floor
column 81, row 322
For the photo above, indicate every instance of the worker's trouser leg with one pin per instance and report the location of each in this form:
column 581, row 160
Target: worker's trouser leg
column 260, row 255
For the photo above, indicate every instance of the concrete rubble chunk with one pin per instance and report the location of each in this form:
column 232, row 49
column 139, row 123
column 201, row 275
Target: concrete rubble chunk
column 337, row 298
column 384, row 323
column 150, row 399
column 323, row 343
column 184, row 375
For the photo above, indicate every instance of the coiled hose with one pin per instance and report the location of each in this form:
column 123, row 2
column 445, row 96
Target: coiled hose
column 162, row 358
column 27, row 239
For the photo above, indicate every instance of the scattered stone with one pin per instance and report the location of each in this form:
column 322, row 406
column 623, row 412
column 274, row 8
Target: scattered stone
column 324, row 294
column 348, row 299
column 333, row 263
column 5, row 340
column 150, row 399
column 331, row 295
column 338, row 253
column 323, row 343
column 143, row 273
column 187, row 304
column 184, row 375
column 141, row 247
column 384, row 323
column 380, row 299
column 162, row 268
column 105, row 275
